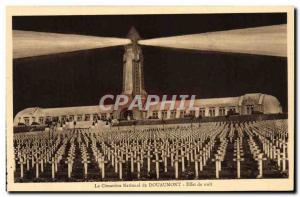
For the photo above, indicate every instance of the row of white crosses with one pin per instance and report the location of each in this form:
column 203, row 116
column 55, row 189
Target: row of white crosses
column 238, row 150
column 85, row 159
column 71, row 156
column 99, row 156
column 57, row 157
column 274, row 141
column 257, row 152
column 138, row 160
column 280, row 136
column 147, row 149
column 238, row 154
column 238, row 146
column 157, row 151
column 202, row 146
column 36, row 149
column 221, row 151
column 257, row 155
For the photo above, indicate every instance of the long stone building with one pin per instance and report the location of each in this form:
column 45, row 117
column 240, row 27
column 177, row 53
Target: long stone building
column 244, row 105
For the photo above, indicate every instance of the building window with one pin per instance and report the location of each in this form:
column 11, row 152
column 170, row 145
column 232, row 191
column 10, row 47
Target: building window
column 55, row 119
column 182, row 113
column 26, row 120
column 212, row 112
column 103, row 116
column 222, row 111
column 164, row 114
column 48, row 119
column 231, row 110
column 192, row 113
column 95, row 117
column 79, row 117
column 250, row 109
column 202, row 112
column 111, row 115
column 41, row 120
column 71, row 118
column 63, row 118
column 155, row 114
column 173, row 114
column 87, row 117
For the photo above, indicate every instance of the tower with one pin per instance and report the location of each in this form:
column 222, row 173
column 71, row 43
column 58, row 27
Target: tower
column 133, row 73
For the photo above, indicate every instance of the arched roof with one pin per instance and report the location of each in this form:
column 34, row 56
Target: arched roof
column 271, row 105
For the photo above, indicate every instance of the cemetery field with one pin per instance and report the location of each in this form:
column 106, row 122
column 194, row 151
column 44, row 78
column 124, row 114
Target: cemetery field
column 213, row 150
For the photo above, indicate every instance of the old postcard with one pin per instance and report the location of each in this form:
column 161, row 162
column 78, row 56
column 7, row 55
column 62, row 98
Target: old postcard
column 150, row 99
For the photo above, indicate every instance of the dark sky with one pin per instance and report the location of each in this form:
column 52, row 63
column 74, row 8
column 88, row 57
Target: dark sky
column 81, row 78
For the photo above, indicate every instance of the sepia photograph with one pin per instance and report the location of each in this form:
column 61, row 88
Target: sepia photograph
column 150, row 99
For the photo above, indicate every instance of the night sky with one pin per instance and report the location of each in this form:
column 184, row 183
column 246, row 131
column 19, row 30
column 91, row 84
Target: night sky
column 81, row 78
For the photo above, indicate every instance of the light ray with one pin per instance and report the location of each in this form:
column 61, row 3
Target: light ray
column 30, row 43
column 266, row 40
